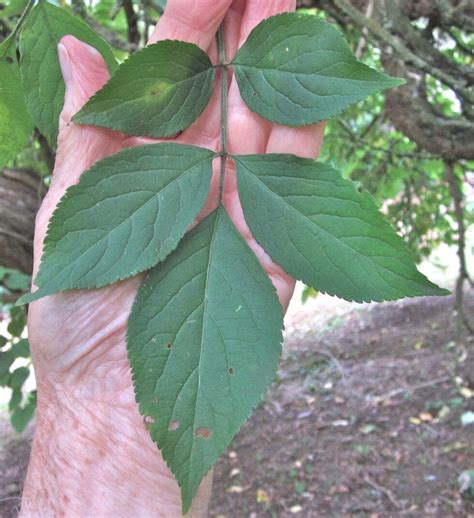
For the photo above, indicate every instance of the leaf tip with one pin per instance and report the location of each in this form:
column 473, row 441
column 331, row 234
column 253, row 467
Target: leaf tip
column 24, row 299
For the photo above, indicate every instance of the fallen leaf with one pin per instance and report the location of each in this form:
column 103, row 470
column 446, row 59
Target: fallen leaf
column 296, row 509
column 425, row 417
column 235, row 489
column 466, row 392
column 234, row 472
column 340, row 422
column 262, row 496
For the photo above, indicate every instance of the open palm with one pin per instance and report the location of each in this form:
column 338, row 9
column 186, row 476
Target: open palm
column 78, row 337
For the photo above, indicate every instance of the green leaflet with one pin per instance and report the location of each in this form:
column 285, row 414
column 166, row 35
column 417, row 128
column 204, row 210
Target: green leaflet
column 42, row 79
column 204, row 341
column 321, row 230
column 296, row 70
column 157, row 92
column 15, row 123
column 128, row 212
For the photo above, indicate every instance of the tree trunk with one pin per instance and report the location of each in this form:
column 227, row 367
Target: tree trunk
column 20, row 197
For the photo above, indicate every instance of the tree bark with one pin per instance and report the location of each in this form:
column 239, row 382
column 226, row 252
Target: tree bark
column 20, row 197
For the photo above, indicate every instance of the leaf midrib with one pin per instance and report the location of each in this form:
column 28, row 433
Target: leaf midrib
column 278, row 197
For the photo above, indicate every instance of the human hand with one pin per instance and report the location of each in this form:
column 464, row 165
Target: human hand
column 92, row 454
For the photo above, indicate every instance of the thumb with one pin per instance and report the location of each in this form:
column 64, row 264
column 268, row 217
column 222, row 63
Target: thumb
column 84, row 72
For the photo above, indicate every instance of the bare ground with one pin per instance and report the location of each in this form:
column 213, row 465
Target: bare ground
column 364, row 420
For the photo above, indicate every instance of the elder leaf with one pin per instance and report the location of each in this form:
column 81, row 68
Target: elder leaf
column 15, row 123
column 321, row 230
column 42, row 79
column 157, row 92
column 295, row 69
column 128, row 212
column 204, row 341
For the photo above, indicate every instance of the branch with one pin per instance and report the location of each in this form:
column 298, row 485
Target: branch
column 458, row 85
column 79, row 8
column 458, row 201
column 19, row 202
column 410, row 112
column 132, row 22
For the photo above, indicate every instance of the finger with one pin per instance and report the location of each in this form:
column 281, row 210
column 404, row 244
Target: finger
column 206, row 130
column 84, row 72
column 192, row 21
column 305, row 142
column 249, row 131
column 258, row 10
column 249, row 134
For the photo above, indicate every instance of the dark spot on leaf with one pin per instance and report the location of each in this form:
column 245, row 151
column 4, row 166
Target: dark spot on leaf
column 9, row 60
column 169, row 345
column 174, row 425
column 254, row 94
column 231, row 371
column 202, row 432
column 148, row 420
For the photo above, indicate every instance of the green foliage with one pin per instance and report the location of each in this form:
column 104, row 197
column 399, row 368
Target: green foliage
column 42, row 79
column 144, row 198
column 13, row 8
column 204, row 344
column 15, row 361
column 297, row 70
column 15, row 123
column 14, row 280
column 204, row 334
column 173, row 85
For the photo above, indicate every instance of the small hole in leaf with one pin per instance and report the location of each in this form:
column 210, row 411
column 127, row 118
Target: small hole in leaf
column 169, row 345
column 202, row 432
column 148, row 421
column 9, row 60
column 231, row 371
column 174, row 425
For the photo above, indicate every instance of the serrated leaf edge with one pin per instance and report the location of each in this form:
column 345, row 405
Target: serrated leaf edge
column 370, row 200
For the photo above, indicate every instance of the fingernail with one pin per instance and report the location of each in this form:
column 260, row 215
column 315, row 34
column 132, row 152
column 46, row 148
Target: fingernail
column 65, row 63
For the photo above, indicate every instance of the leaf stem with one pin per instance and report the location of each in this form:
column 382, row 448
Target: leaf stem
column 223, row 69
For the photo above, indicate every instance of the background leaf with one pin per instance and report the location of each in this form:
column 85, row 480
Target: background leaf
column 128, row 212
column 15, row 123
column 13, row 8
column 39, row 63
column 321, row 230
column 296, row 70
column 204, row 341
column 157, row 92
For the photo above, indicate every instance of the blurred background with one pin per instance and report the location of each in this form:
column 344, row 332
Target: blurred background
column 372, row 413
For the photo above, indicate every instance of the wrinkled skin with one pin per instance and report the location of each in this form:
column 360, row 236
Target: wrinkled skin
column 92, row 454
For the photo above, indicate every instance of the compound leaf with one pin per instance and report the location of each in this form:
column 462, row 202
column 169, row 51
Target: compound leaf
column 128, row 212
column 295, row 69
column 204, row 341
column 157, row 92
column 15, row 123
column 39, row 63
column 321, row 230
